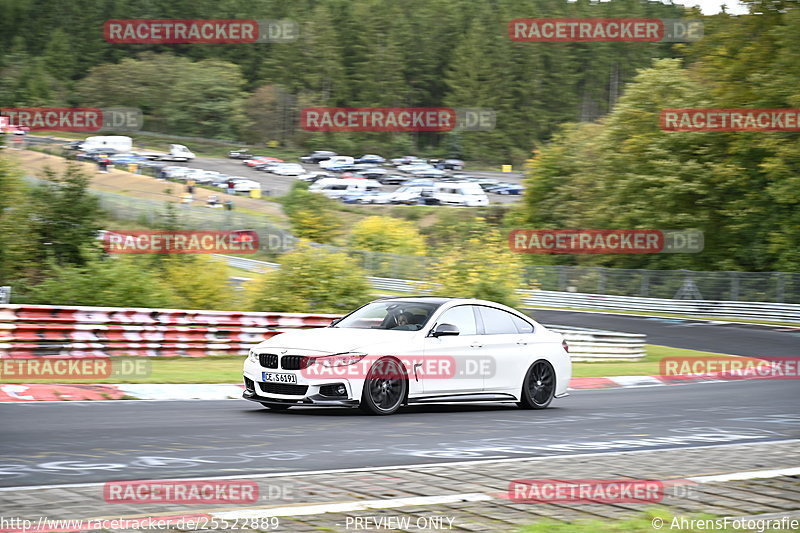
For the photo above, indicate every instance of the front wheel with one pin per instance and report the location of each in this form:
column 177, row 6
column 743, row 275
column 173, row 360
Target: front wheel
column 539, row 386
column 384, row 388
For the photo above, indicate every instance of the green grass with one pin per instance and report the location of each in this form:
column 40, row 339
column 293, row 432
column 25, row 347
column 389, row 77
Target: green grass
column 648, row 522
column 647, row 366
column 218, row 369
column 228, row 369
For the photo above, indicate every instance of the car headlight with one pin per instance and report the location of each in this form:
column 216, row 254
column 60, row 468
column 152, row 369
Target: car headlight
column 252, row 356
column 341, row 359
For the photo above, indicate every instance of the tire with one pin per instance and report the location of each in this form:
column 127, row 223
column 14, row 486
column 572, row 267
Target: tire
column 385, row 388
column 275, row 406
column 539, row 386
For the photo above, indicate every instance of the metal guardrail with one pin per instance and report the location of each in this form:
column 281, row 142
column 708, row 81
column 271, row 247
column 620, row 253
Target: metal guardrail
column 573, row 300
column 710, row 308
column 600, row 345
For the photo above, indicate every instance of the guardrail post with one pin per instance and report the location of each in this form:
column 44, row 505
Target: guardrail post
column 645, row 285
column 779, row 292
column 734, row 286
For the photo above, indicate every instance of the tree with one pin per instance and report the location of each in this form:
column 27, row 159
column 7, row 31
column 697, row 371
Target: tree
column 311, row 214
column 388, row 235
column 111, row 281
column 18, row 242
column 482, row 267
column 199, row 282
column 312, row 280
column 64, row 216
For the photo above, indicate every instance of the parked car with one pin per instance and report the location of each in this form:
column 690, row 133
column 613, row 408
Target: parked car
column 419, row 182
column 487, row 183
column 336, row 161
column 375, row 173
column 415, row 166
column 287, row 169
column 201, row 176
column 354, row 198
column 343, row 168
column 375, row 197
column 407, row 160
column 411, row 193
column 450, row 164
column 371, row 158
column 260, row 159
column 267, row 166
column 393, row 179
column 506, row 188
column 317, row 156
column 354, row 362
column 337, row 187
column 314, row 176
column 466, row 194
column 240, row 154
column 428, row 173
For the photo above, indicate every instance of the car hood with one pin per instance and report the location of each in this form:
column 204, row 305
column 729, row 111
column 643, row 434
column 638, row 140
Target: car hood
column 326, row 341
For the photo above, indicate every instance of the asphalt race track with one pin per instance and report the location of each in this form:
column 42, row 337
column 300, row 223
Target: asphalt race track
column 703, row 335
column 66, row 443
column 78, row 442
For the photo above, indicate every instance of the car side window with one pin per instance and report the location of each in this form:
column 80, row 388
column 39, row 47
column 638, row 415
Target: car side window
column 523, row 326
column 497, row 322
column 462, row 317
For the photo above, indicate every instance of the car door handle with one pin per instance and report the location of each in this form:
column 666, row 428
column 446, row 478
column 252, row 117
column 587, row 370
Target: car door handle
column 522, row 342
column 476, row 345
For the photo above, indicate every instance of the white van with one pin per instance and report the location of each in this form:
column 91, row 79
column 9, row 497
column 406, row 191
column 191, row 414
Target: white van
column 337, row 161
column 338, row 187
column 117, row 142
column 460, row 193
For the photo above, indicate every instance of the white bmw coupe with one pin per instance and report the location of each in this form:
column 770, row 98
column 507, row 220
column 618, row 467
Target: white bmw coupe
column 398, row 351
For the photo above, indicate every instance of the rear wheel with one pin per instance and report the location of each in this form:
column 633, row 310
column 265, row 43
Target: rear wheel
column 539, row 386
column 384, row 388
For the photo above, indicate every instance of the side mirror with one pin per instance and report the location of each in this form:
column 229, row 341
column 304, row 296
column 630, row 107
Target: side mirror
column 443, row 330
column 334, row 322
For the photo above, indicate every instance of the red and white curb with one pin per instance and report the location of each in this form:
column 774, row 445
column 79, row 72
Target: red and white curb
column 226, row 391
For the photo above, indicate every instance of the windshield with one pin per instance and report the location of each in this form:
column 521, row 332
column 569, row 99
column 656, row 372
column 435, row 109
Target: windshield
column 394, row 315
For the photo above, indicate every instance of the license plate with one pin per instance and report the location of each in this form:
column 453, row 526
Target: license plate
column 278, row 378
